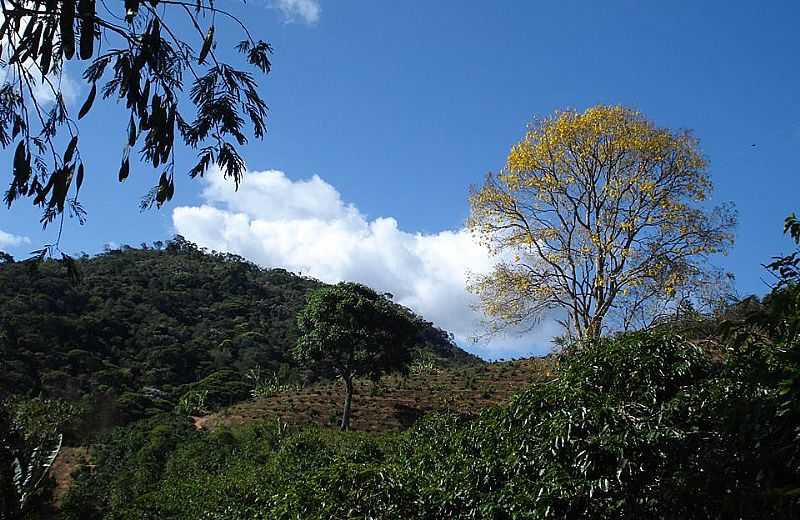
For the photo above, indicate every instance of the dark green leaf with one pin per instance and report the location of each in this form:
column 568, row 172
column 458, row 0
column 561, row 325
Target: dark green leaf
column 87, row 105
column 46, row 51
column 19, row 155
column 124, row 169
column 67, row 21
column 79, row 179
column 207, row 43
column 131, row 132
column 73, row 143
column 86, row 8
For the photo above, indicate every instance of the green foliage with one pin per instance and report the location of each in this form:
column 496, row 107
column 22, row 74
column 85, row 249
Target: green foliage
column 146, row 326
column 352, row 331
column 787, row 267
column 128, row 464
column 30, row 440
column 645, row 425
column 192, row 403
column 424, row 363
column 264, row 385
column 642, row 425
column 221, row 388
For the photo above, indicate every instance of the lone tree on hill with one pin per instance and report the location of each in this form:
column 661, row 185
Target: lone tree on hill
column 138, row 52
column 352, row 331
column 598, row 215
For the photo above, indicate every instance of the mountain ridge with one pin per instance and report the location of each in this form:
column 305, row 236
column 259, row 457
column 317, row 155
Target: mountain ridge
column 142, row 326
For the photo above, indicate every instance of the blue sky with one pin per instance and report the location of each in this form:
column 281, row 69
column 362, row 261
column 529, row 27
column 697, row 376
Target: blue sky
column 398, row 107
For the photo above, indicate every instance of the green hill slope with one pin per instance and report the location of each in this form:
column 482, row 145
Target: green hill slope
column 142, row 326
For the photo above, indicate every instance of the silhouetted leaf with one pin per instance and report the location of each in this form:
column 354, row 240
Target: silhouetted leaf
column 131, row 132
column 207, row 43
column 124, row 169
column 46, row 51
column 73, row 143
column 79, row 179
column 146, row 71
column 131, row 9
column 67, row 21
column 87, row 105
column 86, row 8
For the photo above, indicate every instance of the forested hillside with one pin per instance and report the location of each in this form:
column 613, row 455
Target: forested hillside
column 620, row 229
column 138, row 328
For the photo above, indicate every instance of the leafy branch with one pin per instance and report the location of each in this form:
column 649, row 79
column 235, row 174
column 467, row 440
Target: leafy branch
column 136, row 56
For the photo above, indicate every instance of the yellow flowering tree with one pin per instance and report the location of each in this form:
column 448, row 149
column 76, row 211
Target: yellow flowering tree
column 597, row 214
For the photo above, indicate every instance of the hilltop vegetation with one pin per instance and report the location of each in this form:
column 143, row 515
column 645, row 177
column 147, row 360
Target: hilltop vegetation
column 142, row 327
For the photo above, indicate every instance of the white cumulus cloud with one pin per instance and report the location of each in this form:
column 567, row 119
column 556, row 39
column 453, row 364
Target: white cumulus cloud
column 305, row 226
column 68, row 87
column 7, row 240
column 306, row 10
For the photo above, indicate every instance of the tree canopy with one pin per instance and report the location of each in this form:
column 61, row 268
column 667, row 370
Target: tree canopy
column 352, row 331
column 597, row 214
column 140, row 53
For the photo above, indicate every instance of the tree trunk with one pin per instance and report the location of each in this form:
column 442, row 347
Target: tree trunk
column 348, row 400
column 594, row 328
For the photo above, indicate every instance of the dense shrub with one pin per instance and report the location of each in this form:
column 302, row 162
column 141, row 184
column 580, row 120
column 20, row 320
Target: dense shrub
column 641, row 426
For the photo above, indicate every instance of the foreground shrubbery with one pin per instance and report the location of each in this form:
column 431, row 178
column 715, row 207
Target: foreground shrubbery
column 643, row 426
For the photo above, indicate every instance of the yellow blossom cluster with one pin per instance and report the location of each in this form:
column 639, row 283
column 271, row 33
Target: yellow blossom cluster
column 572, row 147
